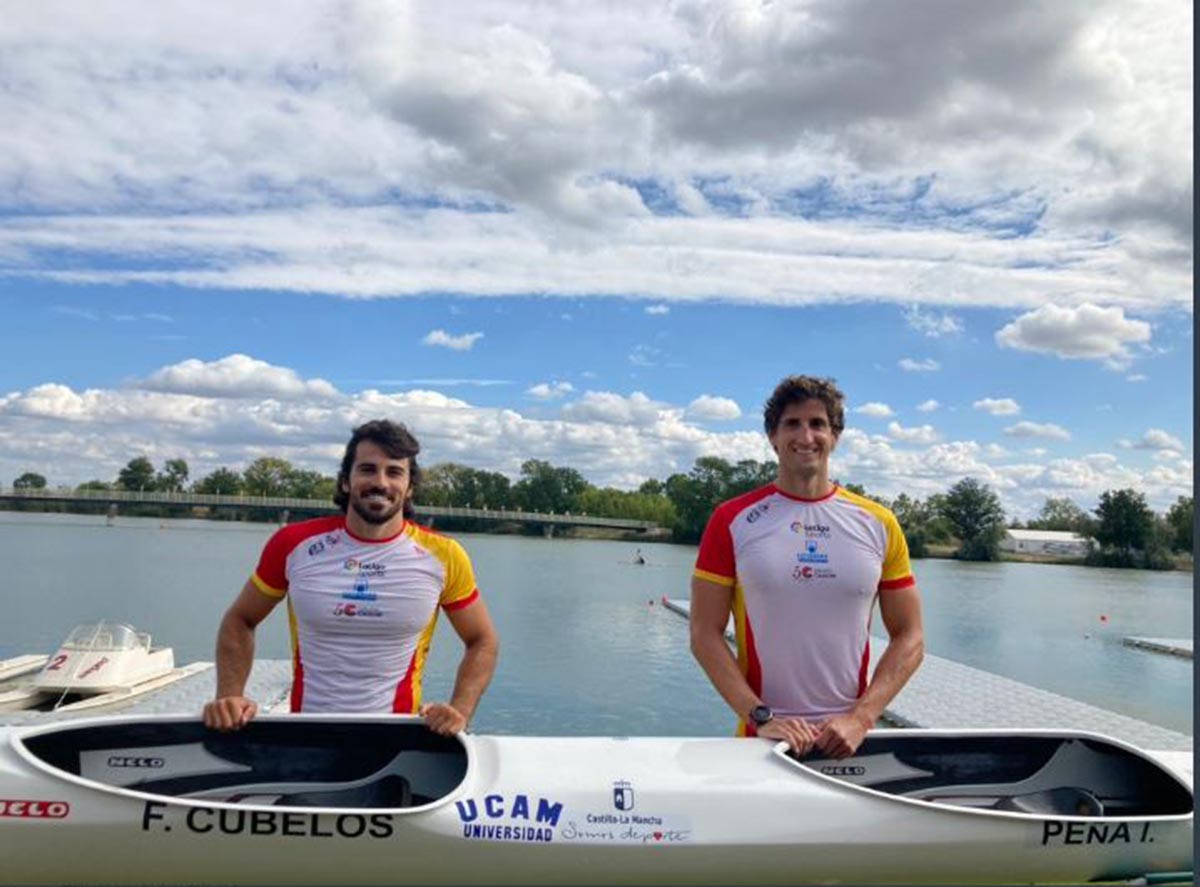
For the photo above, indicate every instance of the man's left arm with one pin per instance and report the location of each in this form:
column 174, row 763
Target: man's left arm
column 900, row 608
column 474, row 627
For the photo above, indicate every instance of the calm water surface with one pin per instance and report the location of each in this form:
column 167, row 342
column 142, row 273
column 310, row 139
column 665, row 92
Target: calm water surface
column 584, row 649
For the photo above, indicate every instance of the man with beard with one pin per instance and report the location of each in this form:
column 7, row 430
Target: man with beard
column 363, row 592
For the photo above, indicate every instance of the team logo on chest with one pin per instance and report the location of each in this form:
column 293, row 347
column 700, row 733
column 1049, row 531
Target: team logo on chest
column 812, row 563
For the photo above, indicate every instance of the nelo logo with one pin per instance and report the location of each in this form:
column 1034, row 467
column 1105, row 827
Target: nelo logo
column 128, row 761
column 35, row 809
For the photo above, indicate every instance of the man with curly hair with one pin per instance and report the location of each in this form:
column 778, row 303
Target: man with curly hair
column 363, row 592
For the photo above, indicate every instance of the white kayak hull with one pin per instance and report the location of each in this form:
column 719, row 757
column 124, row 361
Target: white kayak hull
column 379, row 800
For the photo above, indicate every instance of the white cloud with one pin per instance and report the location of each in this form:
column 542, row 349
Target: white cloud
column 995, row 451
column 875, row 410
column 928, row 365
column 1137, row 377
column 443, row 339
column 550, row 390
column 928, row 406
column 1085, row 332
column 1154, row 439
column 613, row 409
column 1004, row 406
column 932, row 325
column 783, row 154
column 924, row 434
column 658, row 309
column 236, row 375
column 713, row 409
column 1036, row 429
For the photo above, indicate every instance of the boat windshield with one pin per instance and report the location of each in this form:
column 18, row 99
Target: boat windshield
column 110, row 636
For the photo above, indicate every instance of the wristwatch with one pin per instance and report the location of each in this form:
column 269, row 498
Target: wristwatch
column 761, row 715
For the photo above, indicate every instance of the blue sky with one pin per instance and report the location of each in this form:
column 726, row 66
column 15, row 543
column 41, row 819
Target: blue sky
column 532, row 235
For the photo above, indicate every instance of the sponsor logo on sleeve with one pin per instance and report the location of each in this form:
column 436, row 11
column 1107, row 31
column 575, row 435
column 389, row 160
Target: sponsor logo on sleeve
column 757, row 511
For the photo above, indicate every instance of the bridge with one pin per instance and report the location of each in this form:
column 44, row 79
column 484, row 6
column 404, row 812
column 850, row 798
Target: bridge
column 283, row 506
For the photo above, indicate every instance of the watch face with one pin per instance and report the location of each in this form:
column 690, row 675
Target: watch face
column 761, row 714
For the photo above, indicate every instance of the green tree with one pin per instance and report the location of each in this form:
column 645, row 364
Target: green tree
column 653, row 487
column 1181, row 519
column 173, row 477
column 975, row 514
column 460, row 486
column 221, row 482
column 302, row 483
column 30, row 480
column 1125, row 524
column 1063, row 515
column 267, row 476
column 921, row 522
column 95, row 485
column 138, row 474
column 696, row 494
column 545, row 488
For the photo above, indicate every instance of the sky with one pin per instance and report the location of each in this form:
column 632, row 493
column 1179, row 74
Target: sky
column 599, row 234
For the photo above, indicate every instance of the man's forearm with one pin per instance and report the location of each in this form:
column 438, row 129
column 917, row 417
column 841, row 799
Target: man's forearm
column 718, row 663
column 896, row 666
column 474, row 674
column 235, row 656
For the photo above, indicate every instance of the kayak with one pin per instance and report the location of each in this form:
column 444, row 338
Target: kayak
column 333, row 799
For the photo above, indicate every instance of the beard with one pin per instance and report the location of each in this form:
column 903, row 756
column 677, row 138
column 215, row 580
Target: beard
column 373, row 516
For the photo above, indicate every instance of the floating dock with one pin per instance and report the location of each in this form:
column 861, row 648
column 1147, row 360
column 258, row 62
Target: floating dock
column 1174, row 646
column 270, row 685
column 945, row 694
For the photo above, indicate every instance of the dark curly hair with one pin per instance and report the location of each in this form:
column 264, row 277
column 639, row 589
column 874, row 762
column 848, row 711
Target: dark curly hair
column 395, row 440
column 797, row 389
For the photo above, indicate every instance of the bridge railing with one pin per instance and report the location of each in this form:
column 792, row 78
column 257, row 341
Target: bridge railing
column 149, row 497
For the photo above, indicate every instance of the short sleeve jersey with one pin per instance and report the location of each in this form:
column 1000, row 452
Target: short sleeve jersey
column 362, row 612
column 805, row 575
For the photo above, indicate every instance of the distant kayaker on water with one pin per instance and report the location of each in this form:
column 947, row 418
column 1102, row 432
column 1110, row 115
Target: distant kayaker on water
column 799, row 564
column 364, row 590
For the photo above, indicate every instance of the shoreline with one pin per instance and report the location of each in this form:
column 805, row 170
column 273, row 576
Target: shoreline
column 1182, row 563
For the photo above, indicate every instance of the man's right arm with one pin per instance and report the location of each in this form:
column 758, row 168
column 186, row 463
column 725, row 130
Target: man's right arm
column 231, row 710
column 710, row 609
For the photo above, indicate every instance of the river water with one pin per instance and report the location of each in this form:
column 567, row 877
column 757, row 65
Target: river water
column 586, row 646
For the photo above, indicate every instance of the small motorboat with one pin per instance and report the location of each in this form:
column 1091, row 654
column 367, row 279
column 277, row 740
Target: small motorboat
column 99, row 664
column 331, row 799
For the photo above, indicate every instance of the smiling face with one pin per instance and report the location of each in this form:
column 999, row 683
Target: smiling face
column 377, row 487
column 803, row 441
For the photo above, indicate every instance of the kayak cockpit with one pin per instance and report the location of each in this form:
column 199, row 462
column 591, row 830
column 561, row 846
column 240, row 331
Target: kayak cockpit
column 390, row 763
column 1040, row 775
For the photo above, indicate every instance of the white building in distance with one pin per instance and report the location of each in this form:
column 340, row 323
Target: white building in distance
column 1056, row 543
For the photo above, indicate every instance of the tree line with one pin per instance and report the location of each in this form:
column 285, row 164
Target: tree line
column 968, row 517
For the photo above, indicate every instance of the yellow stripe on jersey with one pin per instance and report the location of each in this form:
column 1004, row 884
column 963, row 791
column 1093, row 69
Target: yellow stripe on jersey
column 895, row 558
column 727, row 581
column 460, row 578
column 264, row 588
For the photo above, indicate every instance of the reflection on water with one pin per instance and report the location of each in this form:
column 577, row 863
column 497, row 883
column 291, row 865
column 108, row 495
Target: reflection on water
column 586, row 646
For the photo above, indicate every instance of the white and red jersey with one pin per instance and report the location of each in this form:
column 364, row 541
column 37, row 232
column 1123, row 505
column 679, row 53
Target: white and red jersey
column 362, row 611
column 805, row 574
